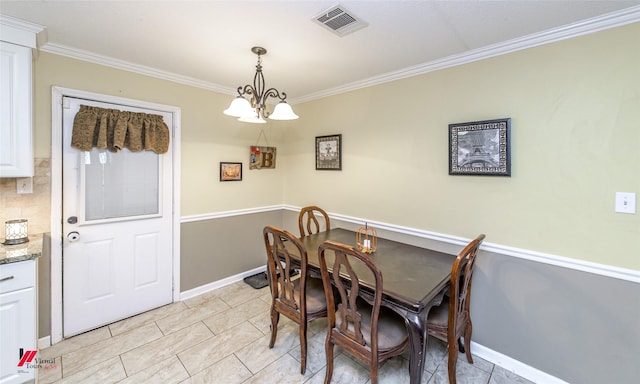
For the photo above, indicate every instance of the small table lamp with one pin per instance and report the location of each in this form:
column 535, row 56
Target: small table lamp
column 15, row 232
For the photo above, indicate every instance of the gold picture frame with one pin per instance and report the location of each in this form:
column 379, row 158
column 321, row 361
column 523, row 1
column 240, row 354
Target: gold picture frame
column 230, row 171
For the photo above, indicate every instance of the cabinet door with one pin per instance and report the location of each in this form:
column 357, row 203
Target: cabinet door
column 17, row 330
column 16, row 147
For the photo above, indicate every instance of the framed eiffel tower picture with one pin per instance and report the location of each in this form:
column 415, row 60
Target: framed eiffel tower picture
column 480, row 148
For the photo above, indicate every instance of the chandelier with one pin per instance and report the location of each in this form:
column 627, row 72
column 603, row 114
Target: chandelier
column 254, row 110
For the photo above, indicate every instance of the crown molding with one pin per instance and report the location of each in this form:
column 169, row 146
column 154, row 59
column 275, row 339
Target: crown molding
column 95, row 58
column 608, row 21
column 21, row 32
column 584, row 27
column 8, row 21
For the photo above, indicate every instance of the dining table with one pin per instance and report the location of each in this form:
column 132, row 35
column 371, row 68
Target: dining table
column 414, row 280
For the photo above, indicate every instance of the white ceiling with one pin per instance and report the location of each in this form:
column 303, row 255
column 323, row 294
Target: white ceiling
column 208, row 43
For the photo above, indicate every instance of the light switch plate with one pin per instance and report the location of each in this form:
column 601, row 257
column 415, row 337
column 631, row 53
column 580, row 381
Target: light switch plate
column 626, row 202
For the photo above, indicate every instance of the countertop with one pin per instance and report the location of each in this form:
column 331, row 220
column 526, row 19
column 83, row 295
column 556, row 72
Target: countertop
column 21, row 252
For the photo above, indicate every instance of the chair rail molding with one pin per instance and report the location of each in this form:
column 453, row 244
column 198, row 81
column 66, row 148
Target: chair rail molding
column 559, row 261
column 540, row 257
column 223, row 214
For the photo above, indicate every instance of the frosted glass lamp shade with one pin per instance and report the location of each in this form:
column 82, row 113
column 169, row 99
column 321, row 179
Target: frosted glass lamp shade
column 240, row 107
column 283, row 111
column 253, row 119
column 16, row 232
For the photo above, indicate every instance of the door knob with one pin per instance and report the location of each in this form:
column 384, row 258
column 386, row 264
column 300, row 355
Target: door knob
column 73, row 236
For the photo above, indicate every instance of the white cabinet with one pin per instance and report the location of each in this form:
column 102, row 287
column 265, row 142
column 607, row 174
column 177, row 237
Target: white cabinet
column 17, row 38
column 17, row 321
column 16, row 147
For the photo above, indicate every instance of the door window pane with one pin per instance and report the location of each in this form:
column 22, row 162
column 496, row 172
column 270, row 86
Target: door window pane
column 120, row 184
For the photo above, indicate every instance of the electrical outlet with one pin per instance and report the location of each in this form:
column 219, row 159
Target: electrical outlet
column 24, row 185
column 626, row 202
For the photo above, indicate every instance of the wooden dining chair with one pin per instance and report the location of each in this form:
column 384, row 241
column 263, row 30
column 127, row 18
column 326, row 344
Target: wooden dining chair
column 360, row 325
column 300, row 299
column 308, row 222
column 451, row 320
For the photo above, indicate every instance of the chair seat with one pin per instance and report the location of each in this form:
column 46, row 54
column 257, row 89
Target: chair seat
column 391, row 328
column 439, row 316
column 316, row 299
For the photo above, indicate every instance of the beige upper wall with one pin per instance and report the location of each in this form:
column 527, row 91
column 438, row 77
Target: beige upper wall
column 575, row 110
column 575, row 107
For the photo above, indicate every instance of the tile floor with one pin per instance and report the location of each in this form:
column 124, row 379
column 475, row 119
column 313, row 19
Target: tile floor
column 222, row 337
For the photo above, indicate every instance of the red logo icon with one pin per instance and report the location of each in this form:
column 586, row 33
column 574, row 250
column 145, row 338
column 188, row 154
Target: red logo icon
column 27, row 357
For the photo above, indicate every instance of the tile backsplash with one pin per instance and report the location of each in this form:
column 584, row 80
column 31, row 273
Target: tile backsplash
column 35, row 207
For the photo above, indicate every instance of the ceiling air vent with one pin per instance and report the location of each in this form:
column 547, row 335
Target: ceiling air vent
column 339, row 21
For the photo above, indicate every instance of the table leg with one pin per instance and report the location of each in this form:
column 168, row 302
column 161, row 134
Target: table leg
column 419, row 339
column 417, row 345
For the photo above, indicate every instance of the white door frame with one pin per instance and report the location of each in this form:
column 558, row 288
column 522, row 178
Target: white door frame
column 57, row 93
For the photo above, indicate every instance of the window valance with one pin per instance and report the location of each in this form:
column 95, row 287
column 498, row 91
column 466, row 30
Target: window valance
column 114, row 130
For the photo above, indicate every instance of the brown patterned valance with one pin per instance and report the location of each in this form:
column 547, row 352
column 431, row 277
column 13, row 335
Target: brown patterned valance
column 113, row 130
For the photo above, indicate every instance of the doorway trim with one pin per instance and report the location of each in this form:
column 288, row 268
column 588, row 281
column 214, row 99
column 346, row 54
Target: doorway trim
column 57, row 94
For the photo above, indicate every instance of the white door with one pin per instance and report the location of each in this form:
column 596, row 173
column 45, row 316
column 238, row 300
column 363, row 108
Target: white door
column 117, row 224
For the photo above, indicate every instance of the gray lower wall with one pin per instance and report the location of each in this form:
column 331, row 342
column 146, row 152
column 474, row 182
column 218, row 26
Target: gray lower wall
column 577, row 326
column 214, row 249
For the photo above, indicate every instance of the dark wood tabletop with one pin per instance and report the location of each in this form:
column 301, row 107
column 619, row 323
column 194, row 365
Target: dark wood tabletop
column 412, row 276
column 414, row 279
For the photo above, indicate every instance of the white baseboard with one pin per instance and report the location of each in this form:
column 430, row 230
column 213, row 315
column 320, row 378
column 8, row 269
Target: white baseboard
column 513, row 365
column 220, row 283
column 44, row 342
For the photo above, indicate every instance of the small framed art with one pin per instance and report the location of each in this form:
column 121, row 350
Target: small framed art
column 262, row 157
column 329, row 152
column 230, row 171
column 480, row 148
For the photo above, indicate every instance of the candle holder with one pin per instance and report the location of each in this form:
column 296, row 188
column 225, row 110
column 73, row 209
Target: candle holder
column 367, row 239
column 15, row 232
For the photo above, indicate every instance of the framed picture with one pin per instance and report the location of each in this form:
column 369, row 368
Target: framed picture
column 230, row 171
column 480, row 148
column 262, row 157
column 329, row 152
